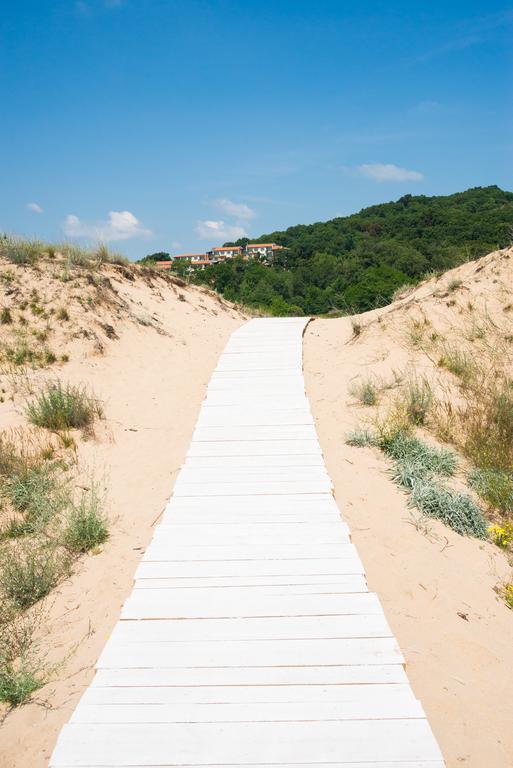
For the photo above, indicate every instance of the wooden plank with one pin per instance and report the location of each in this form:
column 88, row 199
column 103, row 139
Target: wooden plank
column 231, row 534
column 256, row 653
column 387, row 764
column 153, row 744
column 233, row 694
column 259, row 448
column 166, row 604
column 163, row 569
column 237, row 433
column 299, row 461
column 281, row 628
column 250, row 473
column 168, row 551
column 254, row 677
column 280, row 504
column 243, row 581
column 341, row 585
column 251, row 712
column 253, row 416
column 247, row 488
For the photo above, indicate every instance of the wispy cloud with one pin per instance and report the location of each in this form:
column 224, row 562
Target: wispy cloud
column 34, row 207
column 219, row 230
column 388, row 172
column 239, row 211
column 469, row 33
column 119, row 225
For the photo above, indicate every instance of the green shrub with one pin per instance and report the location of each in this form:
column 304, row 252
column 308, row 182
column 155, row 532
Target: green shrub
column 29, row 571
column 86, row 525
column 456, row 510
column 428, row 461
column 495, row 486
column 36, row 493
column 63, row 406
column 18, row 681
column 62, row 314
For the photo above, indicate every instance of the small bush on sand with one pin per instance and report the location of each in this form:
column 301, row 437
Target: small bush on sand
column 63, row 406
column 37, row 494
column 86, row 526
column 62, row 314
column 508, row 595
column 29, row 571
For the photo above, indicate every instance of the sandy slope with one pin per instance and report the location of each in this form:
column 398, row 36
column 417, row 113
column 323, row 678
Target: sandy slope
column 152, row 384
column 437, row 589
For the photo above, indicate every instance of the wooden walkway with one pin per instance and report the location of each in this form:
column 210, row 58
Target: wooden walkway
column 250, row 638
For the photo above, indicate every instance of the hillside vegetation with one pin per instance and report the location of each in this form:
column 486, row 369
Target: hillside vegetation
column 356, row 263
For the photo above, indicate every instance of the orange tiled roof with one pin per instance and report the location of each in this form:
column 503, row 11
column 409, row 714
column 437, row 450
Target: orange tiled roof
column 228, row 248
column 263, row 245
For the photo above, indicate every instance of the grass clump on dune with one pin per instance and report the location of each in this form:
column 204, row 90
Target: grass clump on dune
column 420, row 470
column 29, row 571
column 86, row 526
column 61, row 406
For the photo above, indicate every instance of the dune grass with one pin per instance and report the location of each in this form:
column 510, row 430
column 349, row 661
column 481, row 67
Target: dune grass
column 61, row 406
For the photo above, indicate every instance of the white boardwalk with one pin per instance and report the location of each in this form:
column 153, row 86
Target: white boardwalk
column 250, row 637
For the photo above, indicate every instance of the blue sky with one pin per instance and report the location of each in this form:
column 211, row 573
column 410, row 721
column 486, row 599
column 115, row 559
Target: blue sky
column 176, row 125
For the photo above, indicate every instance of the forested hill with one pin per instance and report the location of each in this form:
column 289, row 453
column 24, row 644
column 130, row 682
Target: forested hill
column 357, row 262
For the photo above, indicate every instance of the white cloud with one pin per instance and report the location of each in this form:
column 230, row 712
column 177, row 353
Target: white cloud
column 34, row 207
column 119, row 225
column 239, row 211
column 388, row 172
column 219, row 230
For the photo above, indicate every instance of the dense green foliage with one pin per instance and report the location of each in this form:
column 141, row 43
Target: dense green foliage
column 355, row 263
column 151, row 258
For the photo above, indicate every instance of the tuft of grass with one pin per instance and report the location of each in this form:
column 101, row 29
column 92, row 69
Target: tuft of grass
column 495, row 486
column 428, row 461
column 357, row 328
column 62, row 314
column 365, row 391
column 361, row 438
column 86, row 524
column 63, row 406
column 29, row 571
column 507, row 594
column 457, row 510
column 416, row 400
column 5, row 316
column 36, row 494
column 453, row 285
column 458, row 362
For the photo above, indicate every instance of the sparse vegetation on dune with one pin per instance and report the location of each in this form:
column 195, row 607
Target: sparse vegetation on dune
column 45, row 525
column 458, row 386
